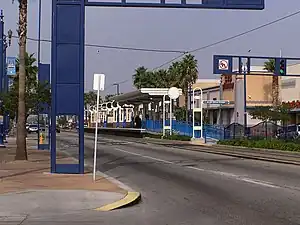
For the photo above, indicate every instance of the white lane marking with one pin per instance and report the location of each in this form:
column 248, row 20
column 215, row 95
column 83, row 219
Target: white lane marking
column 144, row 156
column 237, row 177
column 259, row 182
column 234, row 176
column 214, row 172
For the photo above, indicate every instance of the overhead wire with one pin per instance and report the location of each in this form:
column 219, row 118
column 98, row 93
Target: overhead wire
column 230, row 38
column 115, row 47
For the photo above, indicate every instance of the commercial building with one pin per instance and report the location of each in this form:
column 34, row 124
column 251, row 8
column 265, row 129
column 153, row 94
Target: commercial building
column 258, row 92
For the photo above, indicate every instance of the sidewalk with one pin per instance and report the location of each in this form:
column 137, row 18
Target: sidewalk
column 28, row 189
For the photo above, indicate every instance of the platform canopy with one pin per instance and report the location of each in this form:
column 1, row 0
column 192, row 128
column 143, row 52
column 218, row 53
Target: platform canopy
column 144, row 95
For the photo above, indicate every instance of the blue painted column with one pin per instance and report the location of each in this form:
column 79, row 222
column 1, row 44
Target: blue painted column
column 5, row 89
column 1, row 50
column 43, row 78
column 2, row 66
column 67, row 73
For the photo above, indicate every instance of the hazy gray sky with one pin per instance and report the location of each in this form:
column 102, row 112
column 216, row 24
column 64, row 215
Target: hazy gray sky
column 182, row 29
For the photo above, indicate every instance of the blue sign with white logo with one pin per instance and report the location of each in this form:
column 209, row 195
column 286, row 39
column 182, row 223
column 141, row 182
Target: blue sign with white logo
column 11, row 66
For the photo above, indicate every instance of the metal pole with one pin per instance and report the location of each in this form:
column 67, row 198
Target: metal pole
column 190, row 97
column 1, row 48
column 245, row 99
column 2, row 133
column 170, row 116
column 39, row 30
column 164, row 115
column 220, row 106
column 118, row 111
column 201, row 117
column 39, row 61
column 96, row 136
column 193, row 115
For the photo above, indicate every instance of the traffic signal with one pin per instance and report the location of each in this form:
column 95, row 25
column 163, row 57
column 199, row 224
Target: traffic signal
column 282, row 67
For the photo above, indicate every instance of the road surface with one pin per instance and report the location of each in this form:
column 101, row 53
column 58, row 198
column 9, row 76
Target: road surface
column 181, row 187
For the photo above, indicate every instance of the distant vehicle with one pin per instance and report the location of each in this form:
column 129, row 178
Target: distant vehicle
column 32, row 128
column 290, row 132
column 57, row 129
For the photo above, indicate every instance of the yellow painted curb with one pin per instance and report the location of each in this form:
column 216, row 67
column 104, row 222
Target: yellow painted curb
column 130, row 198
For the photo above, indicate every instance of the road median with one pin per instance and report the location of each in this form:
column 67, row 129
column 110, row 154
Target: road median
column 235, row 151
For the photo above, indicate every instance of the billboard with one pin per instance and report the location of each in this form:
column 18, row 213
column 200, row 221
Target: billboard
column 11, row 66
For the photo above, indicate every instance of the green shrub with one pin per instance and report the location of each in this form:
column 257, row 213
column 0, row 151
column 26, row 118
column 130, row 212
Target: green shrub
column 177, row 137
column 267, row 144
column 168, row 137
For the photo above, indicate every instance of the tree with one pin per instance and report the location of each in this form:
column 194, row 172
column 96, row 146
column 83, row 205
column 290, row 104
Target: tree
column 37, row 94
column 90, row 98
column 270, row 67
column 187, row 76
column 270, row 113
column 140, row 78
column 21, row 151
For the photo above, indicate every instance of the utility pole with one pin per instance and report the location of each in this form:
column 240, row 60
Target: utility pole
column 118, row 88
column 118, row 111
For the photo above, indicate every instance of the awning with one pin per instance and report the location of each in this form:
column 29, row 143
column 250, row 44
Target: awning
column 144, row 95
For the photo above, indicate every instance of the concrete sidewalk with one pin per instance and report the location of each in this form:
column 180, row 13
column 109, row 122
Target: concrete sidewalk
column 27, row 189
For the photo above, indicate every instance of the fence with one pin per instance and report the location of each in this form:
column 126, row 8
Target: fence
column 232, row 131
column 184, row 128
column 266, row 130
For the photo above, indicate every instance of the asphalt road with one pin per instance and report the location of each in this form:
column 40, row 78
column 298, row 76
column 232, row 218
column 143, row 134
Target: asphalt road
column 181, row 187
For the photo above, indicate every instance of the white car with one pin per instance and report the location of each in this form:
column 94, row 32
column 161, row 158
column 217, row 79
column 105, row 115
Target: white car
column 32, row 128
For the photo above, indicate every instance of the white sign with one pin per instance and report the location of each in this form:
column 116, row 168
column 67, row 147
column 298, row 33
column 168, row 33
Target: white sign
column 223, row 64
column 221, row 102
column 173, row 93
column 99, row 81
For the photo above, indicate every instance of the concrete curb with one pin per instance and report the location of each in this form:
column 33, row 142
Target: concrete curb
column 130, row 199
column 246, row 155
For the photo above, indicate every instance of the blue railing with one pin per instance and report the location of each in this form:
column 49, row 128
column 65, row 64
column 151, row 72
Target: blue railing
column 183, row 128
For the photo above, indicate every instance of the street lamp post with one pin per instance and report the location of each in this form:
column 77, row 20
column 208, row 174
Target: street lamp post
column 118, row 110
column 245, row 69
column 3, row 73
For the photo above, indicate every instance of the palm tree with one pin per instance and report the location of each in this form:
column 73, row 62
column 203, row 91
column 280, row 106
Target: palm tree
column 21, row 151
column 188, row 74
column 139, row 76
column 270, row 67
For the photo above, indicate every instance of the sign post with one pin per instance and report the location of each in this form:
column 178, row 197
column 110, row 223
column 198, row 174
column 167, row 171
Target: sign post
column 173, row 93
column 99, row 80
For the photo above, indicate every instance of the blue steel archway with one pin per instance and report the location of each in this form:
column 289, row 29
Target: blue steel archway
column 67, row 63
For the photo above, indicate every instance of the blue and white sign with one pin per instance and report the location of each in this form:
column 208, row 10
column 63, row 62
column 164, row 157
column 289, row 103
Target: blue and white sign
column 11, row 66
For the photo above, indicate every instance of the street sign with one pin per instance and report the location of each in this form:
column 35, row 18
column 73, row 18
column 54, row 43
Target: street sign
column 223, row 64
column 220, row 102
column 11, row 66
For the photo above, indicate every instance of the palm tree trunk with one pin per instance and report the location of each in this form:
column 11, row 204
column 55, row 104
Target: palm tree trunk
column 275, row 91
column 21, row 152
